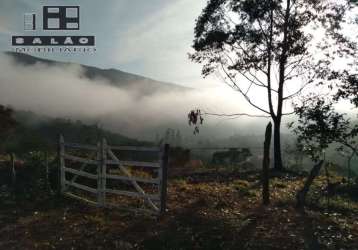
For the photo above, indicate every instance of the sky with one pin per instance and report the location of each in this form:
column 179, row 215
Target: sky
column 136, row 36
column 149, row 38
column 62, row 91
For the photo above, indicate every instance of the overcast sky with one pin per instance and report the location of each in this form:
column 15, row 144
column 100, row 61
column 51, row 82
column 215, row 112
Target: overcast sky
column 150, row 38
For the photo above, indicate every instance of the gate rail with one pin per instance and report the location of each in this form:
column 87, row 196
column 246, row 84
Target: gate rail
column 104, row 157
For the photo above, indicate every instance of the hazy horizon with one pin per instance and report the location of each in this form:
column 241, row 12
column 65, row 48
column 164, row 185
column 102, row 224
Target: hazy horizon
column 148, row 39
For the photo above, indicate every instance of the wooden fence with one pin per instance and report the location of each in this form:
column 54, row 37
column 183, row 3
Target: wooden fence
column 105, row 161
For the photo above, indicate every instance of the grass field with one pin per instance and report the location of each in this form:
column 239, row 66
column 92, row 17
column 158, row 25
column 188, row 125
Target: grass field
column 206, row 210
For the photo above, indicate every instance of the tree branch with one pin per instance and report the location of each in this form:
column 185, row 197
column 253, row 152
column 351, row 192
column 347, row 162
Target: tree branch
column 294, row 94
column 259, row 83
column 237, row 115
column 242, row 93
column 269, row 61
column 247, row 54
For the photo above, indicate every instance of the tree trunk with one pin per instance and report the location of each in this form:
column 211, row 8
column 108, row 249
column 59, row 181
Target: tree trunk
column 301, row 195
column 277, row 146
column 280, row 96
column 13, row 170
column 266, row 165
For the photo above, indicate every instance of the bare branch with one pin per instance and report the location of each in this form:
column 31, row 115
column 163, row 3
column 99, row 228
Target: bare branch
column 237, row 115
column 242, row 93
column 294, row 65
column 248, row 89
column 309, row 82
column 299, row 60
column 289, row 113
column 262, row 84
column 258, row 82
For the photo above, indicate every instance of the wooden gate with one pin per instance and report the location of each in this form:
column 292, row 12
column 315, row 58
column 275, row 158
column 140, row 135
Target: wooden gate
column 103, row 172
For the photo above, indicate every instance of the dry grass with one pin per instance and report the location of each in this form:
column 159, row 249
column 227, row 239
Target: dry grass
column 204, row 212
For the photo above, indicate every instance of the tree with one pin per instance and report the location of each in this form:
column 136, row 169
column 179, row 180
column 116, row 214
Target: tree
column 319, row 126
column 7, row 122
column 157, row 139
column 167, row 136
column 178, row 139
column 269, row 46
column 172, row 137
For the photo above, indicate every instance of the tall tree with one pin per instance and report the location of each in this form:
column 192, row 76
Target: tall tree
column 7, row 124
column 178, row 139
column 270, row 46
column 7, row 121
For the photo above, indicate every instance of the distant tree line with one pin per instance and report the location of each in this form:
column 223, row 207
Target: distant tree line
column 171, row 136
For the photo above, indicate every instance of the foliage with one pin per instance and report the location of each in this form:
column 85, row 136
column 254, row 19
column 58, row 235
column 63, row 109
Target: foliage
column 195, row 118
column 265, row 45
column 172, row 137
column 7, row 122
column 246, row 37
column 348, row 89
column 32, row 180
column 319, row 125
column 34, row 133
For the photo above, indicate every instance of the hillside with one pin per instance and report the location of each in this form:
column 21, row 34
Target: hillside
column 114, row 77
column 34, row 132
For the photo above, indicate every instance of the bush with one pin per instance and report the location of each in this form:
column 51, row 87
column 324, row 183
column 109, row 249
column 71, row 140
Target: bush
column 32, row 181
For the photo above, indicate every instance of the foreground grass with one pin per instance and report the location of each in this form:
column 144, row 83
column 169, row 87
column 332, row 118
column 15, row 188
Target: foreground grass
column 204, row 212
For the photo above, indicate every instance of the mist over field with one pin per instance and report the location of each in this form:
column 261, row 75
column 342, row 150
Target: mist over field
column 64, row 90
column 179, row 124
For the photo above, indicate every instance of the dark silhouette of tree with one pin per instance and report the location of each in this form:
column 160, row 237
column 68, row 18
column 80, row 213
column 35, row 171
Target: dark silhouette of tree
column 7, row 122
column 178, row 139
column 348, row 89
column 319, row 125
column 157, row 139
column 167, row 136
column 172, row 137
column 269, row 46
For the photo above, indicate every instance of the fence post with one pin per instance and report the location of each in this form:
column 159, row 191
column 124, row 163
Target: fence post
column 266, row 166
column 13, row 170
column 47, row 171
column 104, row 171
column 163, row 175
column 99, row 173
column 62, row 163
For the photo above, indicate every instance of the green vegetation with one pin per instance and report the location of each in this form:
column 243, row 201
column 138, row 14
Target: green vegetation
column 39, row 133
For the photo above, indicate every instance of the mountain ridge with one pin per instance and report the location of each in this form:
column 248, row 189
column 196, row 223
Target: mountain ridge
column 114, row 77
